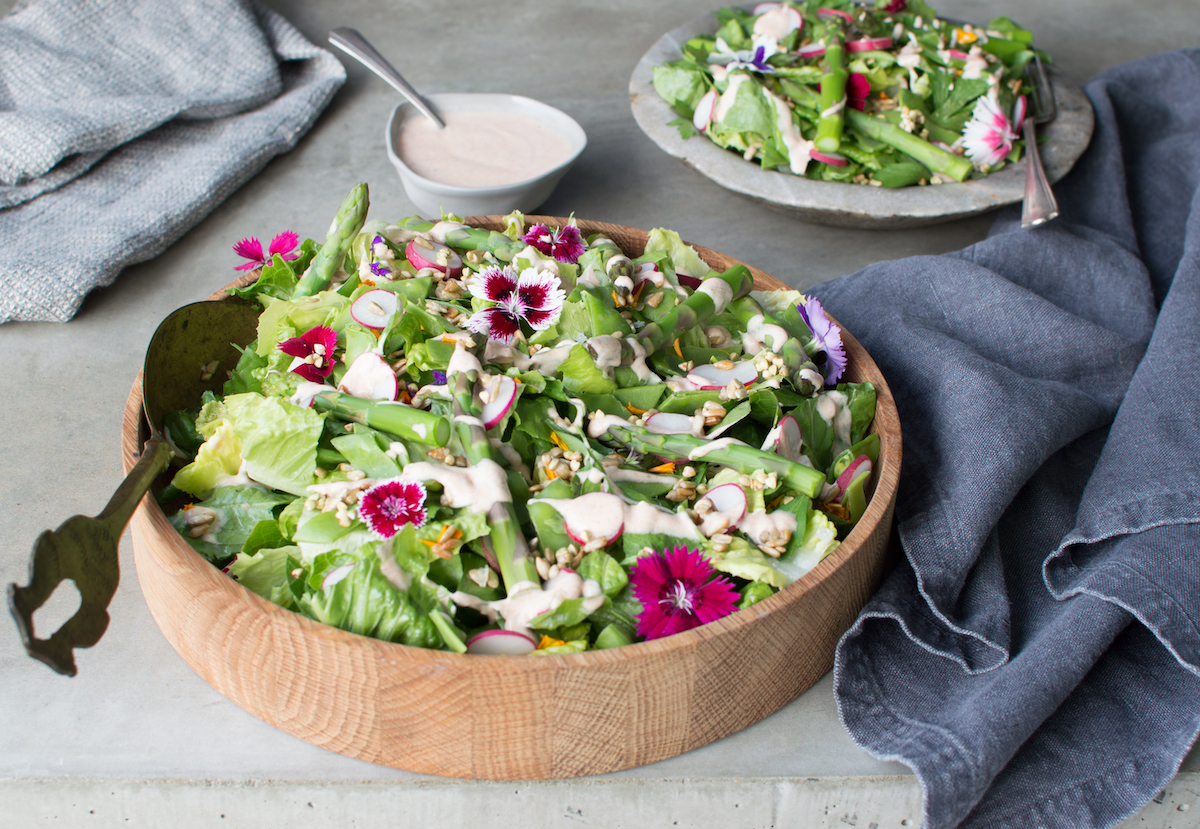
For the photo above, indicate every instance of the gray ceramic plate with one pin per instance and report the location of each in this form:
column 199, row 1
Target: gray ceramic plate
column 850, row 205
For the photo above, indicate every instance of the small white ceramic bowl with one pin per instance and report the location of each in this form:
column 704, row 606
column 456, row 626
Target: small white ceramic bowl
column 433, row 198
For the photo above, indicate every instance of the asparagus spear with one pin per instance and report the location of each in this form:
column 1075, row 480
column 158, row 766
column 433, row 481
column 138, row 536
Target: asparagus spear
column 508, row 542
column 474, row 238
column 832, row 97
column 346, row 225
column 745, row 459
column 935, row 158
column 696, row 309
column 394, row 418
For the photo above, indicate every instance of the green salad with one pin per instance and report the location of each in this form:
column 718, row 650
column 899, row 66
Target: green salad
column 520, row 441
column 887, row 95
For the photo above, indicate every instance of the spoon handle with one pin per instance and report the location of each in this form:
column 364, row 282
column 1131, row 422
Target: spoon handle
column 355, row 45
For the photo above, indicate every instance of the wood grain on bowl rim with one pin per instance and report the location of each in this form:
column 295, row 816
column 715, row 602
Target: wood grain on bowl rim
column 501, row 718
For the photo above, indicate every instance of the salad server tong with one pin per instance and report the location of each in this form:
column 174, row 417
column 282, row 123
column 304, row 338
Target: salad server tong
column 1039, row 204
column 179, row 366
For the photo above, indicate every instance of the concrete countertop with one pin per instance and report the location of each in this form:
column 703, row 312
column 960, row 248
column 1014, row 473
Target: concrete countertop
column 137, row 739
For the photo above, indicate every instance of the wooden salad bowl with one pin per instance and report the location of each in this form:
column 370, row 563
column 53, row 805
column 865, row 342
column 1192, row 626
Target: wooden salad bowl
column 502, row 718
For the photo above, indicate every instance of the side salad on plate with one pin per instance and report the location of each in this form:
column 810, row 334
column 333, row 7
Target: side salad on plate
column 886, row 95
column 519, row 440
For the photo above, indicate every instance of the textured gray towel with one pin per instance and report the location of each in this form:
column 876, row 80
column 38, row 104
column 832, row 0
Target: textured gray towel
column 125, row 122
column 1036, row 657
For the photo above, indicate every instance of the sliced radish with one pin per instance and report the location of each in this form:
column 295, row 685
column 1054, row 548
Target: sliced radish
column 869, row 44
column 501, row 643
column 728, row 508
column 834, row 159
column 593, row 515
column 370, row 377
column 501, row 396
column 709, row 377
column 812, row 50
column 337, row 574
column 826, row 13
column 702, row 117
column 859, row 466
column 374, row 308
column 688, row 281
column 953, row 53
column 778, row 22
column 670, row 423
column 785, row 440
column 1019, row 110
column 423, row 253
column 763, row 8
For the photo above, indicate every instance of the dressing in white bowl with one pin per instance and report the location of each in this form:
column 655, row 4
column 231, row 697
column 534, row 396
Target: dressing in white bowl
column 514, row 148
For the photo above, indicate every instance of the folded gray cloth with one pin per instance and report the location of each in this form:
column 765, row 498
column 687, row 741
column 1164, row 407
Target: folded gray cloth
column 1036, row 656
column 125, row 122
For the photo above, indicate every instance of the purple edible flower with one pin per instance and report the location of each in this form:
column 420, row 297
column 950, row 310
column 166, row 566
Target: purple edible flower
column 827, row 336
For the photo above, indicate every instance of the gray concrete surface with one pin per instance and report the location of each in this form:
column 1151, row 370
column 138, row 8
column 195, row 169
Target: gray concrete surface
column 137, row 739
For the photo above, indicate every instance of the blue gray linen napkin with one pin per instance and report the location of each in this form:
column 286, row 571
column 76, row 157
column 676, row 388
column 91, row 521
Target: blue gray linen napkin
column 123, row 123
column 1036, row 656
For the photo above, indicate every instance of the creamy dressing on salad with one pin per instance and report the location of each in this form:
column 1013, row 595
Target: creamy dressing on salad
column 527, row 601
column 607, row 515
column 480, row 486
column 712, row 446
column 480, row 149
column 759, row 525
column 760, row 333
column 719, row 291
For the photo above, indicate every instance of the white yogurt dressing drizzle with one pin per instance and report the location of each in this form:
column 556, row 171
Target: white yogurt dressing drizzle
column 719, row 291
column 480, row 486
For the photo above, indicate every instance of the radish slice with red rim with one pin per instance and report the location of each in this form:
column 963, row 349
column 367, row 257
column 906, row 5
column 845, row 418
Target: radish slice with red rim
column 370, row 377
column 859, row 466
column 424, row 253
column 812, row 50
column 833, row 159
column 501, row 643
column 785, row 439
column 827, row 13
column 374, row 308
column 869, row 44
column 669, row 423
column 500, row 401
column 709, row 377
column 702, row 117
column 593, row 515
column 729, row 505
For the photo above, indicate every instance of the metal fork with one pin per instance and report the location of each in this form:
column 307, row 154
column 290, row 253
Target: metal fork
column 1039, row 205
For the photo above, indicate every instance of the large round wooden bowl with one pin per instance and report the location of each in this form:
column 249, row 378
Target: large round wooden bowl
column 492, row 717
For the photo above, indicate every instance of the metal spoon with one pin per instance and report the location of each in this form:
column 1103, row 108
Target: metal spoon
column 355, row 45
column 84, row 549
column 1039, row 204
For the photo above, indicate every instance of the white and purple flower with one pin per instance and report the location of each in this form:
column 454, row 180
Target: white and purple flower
column 562, row 243
column 762, row 48
column 389, row 505
column 533, row 297
column 988, row 137
column 826, row 336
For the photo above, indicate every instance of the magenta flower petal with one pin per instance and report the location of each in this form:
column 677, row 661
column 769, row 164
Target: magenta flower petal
column 494, row 284
column 857, row 90
column 249, row 248
column 313, row 351
column 496, row 322
column 677, row 592
column 827, row 336
column 284, row 244
column 564, row 243
column 389, row 505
